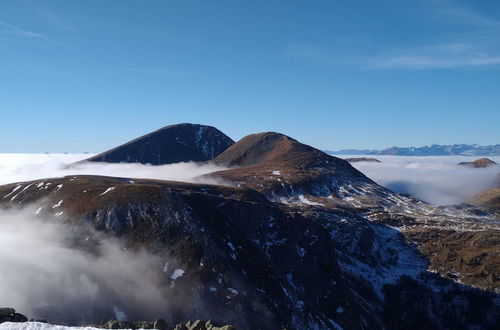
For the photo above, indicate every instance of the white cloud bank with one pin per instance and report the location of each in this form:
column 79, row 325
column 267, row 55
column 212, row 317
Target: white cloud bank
column 437, row 180
column 26, row 167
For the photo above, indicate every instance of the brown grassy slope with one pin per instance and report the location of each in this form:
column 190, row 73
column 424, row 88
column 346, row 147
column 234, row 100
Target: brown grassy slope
column 489, row 200
column 471, row 256
column 272, row 162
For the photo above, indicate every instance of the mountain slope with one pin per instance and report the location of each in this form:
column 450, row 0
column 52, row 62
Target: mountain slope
column 278, row 165
column 238, row 252
column 170, row 144
column 256, row 264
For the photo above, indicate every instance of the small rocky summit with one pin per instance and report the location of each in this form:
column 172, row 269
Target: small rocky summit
column 8, row 314
column 168, row 145
column 362, row 159
column 479, row 163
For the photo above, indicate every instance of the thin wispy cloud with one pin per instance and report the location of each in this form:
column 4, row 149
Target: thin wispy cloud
column 51, row 18
column 478, row 46
column 464, row 15
column 441, row 56
column 14, row 32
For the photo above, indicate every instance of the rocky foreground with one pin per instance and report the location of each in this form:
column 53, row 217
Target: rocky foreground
column 11, row 320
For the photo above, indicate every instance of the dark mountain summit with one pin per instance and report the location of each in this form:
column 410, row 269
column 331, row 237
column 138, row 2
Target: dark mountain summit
column 170, row 144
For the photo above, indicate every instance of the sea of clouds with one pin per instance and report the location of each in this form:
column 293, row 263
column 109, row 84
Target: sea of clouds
column 26, row 167
column 437, row 180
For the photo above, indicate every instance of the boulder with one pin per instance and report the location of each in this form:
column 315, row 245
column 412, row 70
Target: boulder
column 160, row 324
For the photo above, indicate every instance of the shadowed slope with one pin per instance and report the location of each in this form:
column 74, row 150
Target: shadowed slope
column 170, row 144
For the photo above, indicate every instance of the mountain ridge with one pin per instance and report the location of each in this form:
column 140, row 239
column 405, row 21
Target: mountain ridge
column 432, row 150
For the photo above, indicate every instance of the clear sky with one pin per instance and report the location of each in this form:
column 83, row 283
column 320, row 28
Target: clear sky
column 87, row 75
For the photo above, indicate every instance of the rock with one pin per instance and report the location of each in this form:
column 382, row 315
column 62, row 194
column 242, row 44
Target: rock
column 180, row 327
column 8, row 314
column 143, row 325
column 17, row 317
column 114, row 324
column 197, row 325
column 160, row 324
column 7, row 311
column 209, row 325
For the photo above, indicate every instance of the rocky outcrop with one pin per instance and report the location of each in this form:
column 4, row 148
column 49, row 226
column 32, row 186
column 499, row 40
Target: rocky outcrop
column 170, row 144
column 8, row 314
column 160, row 324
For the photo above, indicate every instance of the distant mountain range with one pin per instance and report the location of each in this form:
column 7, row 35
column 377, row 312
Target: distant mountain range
column 433, row 150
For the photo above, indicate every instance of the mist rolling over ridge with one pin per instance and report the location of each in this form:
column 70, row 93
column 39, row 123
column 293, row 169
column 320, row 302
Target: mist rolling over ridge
column 69, row 274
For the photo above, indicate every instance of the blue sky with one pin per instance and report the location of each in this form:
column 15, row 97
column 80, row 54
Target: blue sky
column 87, row 75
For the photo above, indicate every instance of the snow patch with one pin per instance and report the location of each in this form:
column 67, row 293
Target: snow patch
column 107, row 191
column 58, row 204
column 177, row 273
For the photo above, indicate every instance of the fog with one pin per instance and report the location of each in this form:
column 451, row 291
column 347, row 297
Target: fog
column 26, row 167
column 438, row 180
column 68, row 274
